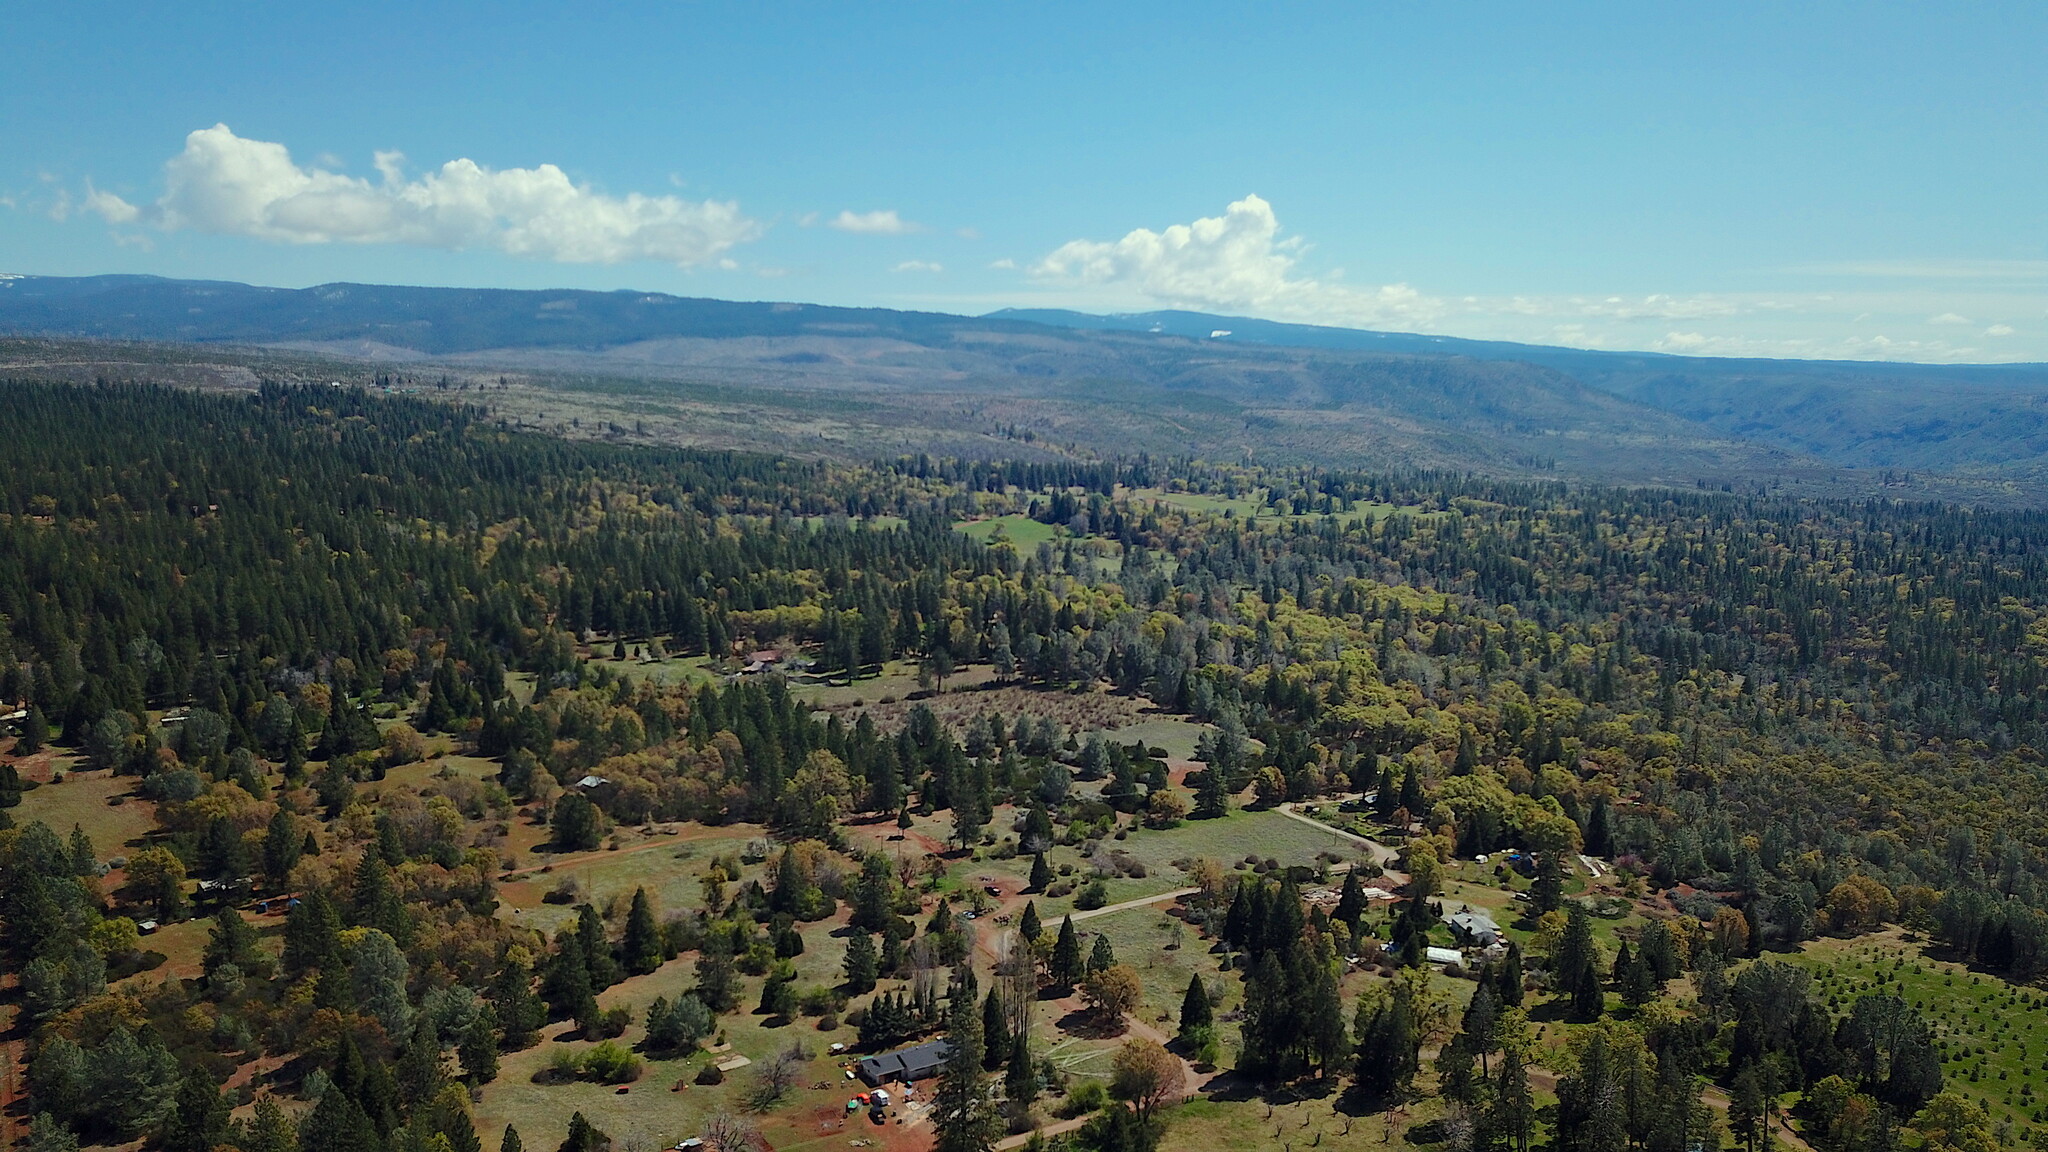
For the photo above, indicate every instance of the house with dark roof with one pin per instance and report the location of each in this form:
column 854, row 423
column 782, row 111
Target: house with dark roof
column 908, row 1065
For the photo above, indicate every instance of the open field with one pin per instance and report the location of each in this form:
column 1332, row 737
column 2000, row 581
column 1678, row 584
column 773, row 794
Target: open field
column 1251, row 1125
column 667, row 866
column 1254, row 506
column 691, row 670
column 88, row 800
column 897, row 682
column 1170, row 734
column 652, row 1109
column 1024, row 532
column 967, row 698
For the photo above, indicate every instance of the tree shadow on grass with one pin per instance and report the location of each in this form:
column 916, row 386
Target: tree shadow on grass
column 1091, row 1025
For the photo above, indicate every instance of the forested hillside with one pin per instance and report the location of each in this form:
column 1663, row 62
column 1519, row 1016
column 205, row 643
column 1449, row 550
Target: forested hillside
column 1756, row 725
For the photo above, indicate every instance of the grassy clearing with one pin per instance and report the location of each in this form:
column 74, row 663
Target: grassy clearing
column 1231, row 838
column 667, row 866
column 653, row 1109
column 877, row 523
column 1145, row 939
column 898, row 679
column 1024, row 532
column 690, row 670
column 100, row 802
column 1312, row 1121
column 1176, row 737
column 1253, row 506
column 968, row 697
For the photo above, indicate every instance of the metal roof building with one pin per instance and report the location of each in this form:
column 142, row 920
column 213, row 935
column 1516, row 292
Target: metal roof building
column 911, row 1064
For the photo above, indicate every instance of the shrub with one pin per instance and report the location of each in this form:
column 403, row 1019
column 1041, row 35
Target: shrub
column 710, row 1074
column 613, row 1021
column 1087, row 1096
column 1095, row 895
column 565, row 1063
column 611, row 1063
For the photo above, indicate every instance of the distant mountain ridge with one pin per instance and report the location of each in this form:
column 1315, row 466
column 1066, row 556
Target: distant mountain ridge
column 1288, row 391
column 436, row 321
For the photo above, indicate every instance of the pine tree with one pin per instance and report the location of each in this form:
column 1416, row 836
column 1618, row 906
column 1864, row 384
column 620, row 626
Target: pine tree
column 1508, row 977
column 1576, row 966
column 715, row 974
column 1547, row 892
column 199, row 1119
column 995, row 1030
column 584, row 1137
column 479, row 1050
column 642, row 947
column 520, row 1012
column 281, row 847
column 338, row 1124
column 1020, row 1078
column 374, row 904
column 963, row 1116
column 1511, row 1117
column 230, row 941
column 419, row 1073
column 510, row 1141
column 1066, row 969
column 1041, row 873
column 35, row 732
column 310, row 931
column 1195, row 1010
column 1028, row 926
column 1411, row 791
column 1388, row 1045
column 84, row 861
column 1212, row 799
column 596, row 949
column 566, row 984
column 1102, row 955
column 778, row 994
column 861, row 963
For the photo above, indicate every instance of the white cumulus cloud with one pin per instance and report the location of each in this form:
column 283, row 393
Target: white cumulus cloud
column 884, row 222
column 920, row 266
column 1999, row 330
column 109, row 206
column 228, row 184
column 1234, row 261
column 1948, row 318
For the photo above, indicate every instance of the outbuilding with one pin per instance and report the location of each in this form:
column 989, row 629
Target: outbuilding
column 918, row 1062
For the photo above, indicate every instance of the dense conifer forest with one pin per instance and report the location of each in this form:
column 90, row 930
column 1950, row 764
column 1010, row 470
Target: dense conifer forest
column 1759, row 724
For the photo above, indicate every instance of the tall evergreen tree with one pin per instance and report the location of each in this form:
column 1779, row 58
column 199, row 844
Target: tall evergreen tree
column 1066, row 966
column 862, row 964
column 995, row 1030
column 1195, row 1010
column 963, row 1115
column 642, row 947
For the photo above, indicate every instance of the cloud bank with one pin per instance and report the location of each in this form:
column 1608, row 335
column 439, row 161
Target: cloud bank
column 880, row 223
column 1236, row 261
column 227, row 184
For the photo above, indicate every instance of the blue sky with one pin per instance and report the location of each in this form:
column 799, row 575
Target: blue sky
column 1809, row 180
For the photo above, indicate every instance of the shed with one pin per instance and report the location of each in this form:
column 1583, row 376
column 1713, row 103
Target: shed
column 918, row 1062
column 1444, row 956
